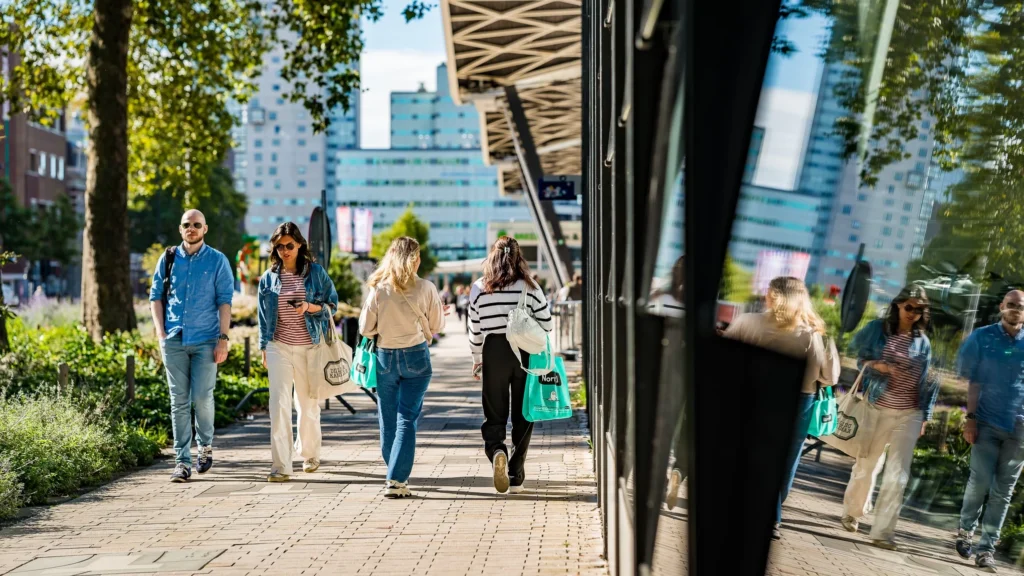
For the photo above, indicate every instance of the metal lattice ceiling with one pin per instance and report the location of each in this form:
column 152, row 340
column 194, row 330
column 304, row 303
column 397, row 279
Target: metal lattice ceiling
column 534, row 45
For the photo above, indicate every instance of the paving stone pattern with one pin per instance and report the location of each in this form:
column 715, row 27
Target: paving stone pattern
column 335, row 521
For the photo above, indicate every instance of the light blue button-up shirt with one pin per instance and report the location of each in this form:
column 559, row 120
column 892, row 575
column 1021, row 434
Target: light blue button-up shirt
column 994, row 360
column 200, row 284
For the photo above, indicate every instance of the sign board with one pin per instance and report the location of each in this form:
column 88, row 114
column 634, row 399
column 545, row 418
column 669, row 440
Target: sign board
column 343, row 220
column 557, row 188
column 774, row 263
column 363, row 237
column 525, row 232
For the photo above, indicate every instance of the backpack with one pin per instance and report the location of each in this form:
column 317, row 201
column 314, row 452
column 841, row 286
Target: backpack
column 169, row 254
column 523, row 331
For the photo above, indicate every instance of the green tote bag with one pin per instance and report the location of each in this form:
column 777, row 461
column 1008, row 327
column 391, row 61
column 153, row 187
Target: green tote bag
column 825, row 413
column 547, row 396
column 364, row 364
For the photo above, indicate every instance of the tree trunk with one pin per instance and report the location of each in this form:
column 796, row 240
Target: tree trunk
column 106, row 276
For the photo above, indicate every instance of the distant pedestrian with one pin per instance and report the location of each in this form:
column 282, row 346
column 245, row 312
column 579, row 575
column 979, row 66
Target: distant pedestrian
column 991, row 360
column 894, row 353
column 506, row 278
column 402, row 311
column 791, row 326
column 297, row 301
column 191, row 305
column 462, row 306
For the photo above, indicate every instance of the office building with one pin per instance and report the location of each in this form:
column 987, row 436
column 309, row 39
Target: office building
column 279, row 162
column 425, row 120
column 773, row 219
column 452, row 190
column 753, row 154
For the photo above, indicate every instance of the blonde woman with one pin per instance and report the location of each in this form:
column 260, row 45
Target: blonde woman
column 791, row 326
column 402, row 311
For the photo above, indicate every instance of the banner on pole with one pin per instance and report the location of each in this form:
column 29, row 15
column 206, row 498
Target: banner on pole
column 343, row 217
column 363, row 240
column 774, row 263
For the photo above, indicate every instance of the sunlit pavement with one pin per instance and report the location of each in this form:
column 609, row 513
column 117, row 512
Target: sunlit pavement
column 335, row 521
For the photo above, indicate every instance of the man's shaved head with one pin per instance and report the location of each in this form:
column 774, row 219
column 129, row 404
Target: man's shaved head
column 193, row 216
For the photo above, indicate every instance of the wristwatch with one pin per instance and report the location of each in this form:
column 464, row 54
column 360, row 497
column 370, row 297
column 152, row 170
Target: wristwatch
column 223, row 337
column 971, row 416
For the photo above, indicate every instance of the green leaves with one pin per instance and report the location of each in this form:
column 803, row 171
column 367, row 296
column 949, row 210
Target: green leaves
column 407, row 225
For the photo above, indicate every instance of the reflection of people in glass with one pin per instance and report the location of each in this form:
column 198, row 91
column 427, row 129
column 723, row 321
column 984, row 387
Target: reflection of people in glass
column 894, row 353
column 991, row 361
column 671, row 295
column 791, row 326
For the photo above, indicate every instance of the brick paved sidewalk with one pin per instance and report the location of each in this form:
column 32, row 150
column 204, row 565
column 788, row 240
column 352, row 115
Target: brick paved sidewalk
column 230, row 521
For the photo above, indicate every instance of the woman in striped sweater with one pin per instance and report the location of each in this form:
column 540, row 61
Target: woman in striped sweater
column 506, row 277
column 297, row 301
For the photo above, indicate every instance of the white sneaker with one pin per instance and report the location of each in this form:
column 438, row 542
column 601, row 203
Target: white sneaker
column 311, row 465
column 516, row 489
column 500, row 465
column 672, row 495
column 277, row 476
column 396, row 489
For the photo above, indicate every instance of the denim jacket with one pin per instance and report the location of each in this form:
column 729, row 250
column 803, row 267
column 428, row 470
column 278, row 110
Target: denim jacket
column 319, row 290
column 868, row 345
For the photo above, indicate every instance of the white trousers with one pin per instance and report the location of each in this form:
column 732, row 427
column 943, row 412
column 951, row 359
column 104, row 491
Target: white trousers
column 286, row 367
column 899, row 430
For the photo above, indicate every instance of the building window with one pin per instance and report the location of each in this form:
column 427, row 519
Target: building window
column 42, row 164
column 60, row 168
column 892, row 189
column 272, row 116
column 257, row 143
column 314, row 157
column 276, row 87
column 275, row 142
column 862, row 197
column 301, row 169
column 302, row 183
column 258, row 157
column 904, row 221
column 886, row 231
column 899, row 233
column 890, row 202
column 257, row 183
column 919, row 167
column 926, row 124
column 259, row 170
column 302, row 141
column 302, row 129
column 276, row 59
column 277, row 129
column 273, row 156
column 888, row 216
column 280, row 101
column 907, row 206
column 847, row 209
column 855, row 224
column 922, row 153
column 898, row 177
column 899, row 246
column 879, row 244
column 273, row 171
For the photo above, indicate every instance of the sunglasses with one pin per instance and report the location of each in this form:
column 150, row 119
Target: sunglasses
column 1014, row 306
column 911, row 309
column 286, row 247
column 196, row 225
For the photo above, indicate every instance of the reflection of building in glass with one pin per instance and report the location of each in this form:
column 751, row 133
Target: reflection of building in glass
column 756, row 142
column 453, row 191
column 773, row 219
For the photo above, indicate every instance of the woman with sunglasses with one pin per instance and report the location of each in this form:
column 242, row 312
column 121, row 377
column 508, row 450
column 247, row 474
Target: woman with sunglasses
column 894, row 354
column 297, row 301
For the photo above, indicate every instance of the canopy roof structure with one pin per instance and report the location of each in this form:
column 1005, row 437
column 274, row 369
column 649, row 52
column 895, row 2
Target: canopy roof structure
column 534, row 46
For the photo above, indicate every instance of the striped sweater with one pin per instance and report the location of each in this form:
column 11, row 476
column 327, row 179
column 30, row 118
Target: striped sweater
column 488, row 312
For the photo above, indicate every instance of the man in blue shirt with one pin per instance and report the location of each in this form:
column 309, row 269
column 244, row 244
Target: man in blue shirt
column 193, row 332
column 992, row 361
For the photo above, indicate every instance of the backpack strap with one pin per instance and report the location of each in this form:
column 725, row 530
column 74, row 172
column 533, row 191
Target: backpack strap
column 421, row 318
column 169, row 255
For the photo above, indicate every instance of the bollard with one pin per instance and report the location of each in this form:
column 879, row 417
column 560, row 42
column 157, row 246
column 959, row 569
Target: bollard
column 62, row 379
column 943, row 431
column 245, row 371
column 129, row 377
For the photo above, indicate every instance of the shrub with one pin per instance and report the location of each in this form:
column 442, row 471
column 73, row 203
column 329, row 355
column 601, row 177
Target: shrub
column 10, row 490
column 55, row 448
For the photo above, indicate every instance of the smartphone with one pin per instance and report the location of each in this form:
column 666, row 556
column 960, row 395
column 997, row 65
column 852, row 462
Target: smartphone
column 295, row 303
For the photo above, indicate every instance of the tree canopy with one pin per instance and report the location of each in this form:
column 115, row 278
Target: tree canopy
column 407, row 225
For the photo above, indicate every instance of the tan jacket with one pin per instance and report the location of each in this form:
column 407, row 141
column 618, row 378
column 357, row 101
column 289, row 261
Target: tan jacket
column 386, row 314
column 762, row 330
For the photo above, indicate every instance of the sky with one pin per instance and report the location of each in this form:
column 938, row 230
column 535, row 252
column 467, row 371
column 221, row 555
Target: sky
column 787, row 103
column 397, row 56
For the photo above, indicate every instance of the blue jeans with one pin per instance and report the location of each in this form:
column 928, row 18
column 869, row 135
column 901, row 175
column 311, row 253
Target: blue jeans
column 402, row 379
column 804, row 412
column 191, row 375
column 997, row 458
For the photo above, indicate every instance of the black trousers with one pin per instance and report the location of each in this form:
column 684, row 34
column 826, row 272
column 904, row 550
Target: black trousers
column 504, row 383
